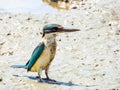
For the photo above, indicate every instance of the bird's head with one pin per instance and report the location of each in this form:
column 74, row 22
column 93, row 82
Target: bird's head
column 54, row 29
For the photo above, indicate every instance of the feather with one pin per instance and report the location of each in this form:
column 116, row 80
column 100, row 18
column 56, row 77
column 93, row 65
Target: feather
column 35, row 55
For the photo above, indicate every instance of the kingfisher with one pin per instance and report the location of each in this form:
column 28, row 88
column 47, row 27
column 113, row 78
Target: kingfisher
column 44, row 53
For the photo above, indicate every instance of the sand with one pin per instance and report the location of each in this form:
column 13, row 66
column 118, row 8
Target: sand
column 86, row 60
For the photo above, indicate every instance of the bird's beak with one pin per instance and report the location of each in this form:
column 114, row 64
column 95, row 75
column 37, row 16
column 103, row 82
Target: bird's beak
column 67, row 30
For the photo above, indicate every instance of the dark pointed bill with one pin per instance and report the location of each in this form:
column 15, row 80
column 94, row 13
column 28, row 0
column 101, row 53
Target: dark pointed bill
column 68, row 30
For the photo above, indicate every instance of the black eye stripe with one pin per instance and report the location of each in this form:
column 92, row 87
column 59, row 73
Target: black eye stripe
column 55, row 28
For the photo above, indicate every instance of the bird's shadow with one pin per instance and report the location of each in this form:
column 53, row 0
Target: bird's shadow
column 49, row 81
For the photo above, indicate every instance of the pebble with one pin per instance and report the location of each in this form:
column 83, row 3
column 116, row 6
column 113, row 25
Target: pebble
column 1, row 79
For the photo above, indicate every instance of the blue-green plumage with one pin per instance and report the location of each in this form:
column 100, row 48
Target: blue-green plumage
column 50, row 26
column 35, row 55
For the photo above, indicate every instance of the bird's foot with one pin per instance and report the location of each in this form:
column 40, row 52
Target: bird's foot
column 48, row 79
column 41, row 80
column 45, row 79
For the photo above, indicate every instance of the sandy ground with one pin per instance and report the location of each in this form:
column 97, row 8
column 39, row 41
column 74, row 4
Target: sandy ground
column 88, row 59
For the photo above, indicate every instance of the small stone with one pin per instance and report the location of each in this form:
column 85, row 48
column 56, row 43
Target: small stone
column 103, row 74
column 83, row 4
column 96, row 89
column 67, row 36
column 28, row 19
column 110, row 61
column 82, row 58
column 8, row 34
column 41, row 33
column 98, row 35
column 10, row 53
column 37, row 33
column 96, row 65
column 117, row 50
column 101, row 60
column 74, row 7
column 1, row 79
column 94, row 78
column 117, row 32
column 9, row 17
column 2, row 43
column 109, row 24
column 83, row 64
column 74, row 39
column 114, row 89
column 59, row 39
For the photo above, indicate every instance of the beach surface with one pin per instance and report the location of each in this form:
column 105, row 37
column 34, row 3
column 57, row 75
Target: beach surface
column 85, row 60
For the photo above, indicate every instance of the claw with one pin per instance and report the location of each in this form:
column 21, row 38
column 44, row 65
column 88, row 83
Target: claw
column 45, row 79
column 39, row 79
column 49, row 79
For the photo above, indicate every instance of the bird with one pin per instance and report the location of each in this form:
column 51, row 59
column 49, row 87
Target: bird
column 44, row 53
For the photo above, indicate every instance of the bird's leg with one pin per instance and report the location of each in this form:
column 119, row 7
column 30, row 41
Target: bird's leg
column 46, row 73
column 39, row 74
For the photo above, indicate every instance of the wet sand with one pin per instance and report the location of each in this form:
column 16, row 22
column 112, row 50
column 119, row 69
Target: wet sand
column 89, row 59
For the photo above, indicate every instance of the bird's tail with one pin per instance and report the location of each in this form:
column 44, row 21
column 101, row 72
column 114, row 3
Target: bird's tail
column 19, row 66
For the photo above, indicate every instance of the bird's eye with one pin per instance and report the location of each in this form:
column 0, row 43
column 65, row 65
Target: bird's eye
column 55, row 29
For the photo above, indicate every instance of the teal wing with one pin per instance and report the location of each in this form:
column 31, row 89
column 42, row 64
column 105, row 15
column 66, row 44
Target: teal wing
column 35, row 55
